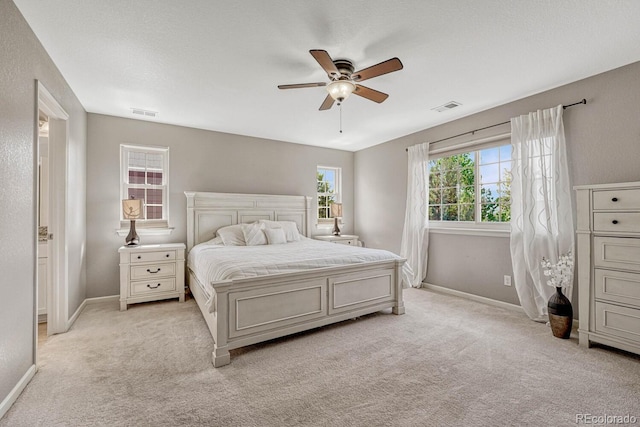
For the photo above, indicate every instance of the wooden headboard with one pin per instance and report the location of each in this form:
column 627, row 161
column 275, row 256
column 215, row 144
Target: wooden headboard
column 206, row 212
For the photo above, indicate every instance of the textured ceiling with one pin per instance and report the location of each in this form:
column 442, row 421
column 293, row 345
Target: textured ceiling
column 215, row 65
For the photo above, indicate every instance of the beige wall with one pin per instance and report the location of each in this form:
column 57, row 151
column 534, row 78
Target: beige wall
column 22, row 61
column 603, row 143
column 201, row 161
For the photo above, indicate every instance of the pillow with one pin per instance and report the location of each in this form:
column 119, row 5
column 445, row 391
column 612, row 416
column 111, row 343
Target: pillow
column 215, row 241
column 290, row 228
column 275, row 236
column 253, row 234
column 232, row 235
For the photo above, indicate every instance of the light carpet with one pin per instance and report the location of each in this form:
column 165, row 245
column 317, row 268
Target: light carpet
column 447, row 362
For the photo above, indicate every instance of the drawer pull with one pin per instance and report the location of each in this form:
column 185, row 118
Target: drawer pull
column 139, row 257
column 615, row 221
column 154, row 287
column 153, row 272
column 615, row 199
column 168, row 255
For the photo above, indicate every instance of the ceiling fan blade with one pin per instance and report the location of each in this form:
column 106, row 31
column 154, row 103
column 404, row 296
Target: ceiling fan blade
column 370, row 94
column 301, row 85
column 327, row 103
column 388, row 66
column 325, row 62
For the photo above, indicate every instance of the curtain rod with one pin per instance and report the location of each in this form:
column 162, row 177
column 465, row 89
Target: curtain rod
column 583, row 101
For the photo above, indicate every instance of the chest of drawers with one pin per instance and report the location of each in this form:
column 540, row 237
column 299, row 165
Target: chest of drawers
column 343, row 239
column 151, row 272
column 608, row 249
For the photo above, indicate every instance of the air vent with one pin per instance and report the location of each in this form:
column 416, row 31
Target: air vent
column 448, row 106
column 145, row 113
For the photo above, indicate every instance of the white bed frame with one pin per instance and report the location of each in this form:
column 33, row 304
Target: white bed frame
column 248, row 311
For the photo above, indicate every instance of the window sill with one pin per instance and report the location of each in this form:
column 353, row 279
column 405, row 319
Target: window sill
column 483, row 232
column 151, row 231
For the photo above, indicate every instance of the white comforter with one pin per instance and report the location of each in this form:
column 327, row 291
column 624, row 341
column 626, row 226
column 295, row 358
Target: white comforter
column 214, row 262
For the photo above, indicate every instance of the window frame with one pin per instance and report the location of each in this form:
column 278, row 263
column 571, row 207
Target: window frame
column 476, row 227
column 157, row 225
column 338, row 194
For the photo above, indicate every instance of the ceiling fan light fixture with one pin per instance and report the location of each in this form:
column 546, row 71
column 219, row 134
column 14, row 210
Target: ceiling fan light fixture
column 340, row 89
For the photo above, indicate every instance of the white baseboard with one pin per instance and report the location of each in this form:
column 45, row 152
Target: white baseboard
column 90, row 301
column 15, row 393
column 473, row 297
column 484, row 300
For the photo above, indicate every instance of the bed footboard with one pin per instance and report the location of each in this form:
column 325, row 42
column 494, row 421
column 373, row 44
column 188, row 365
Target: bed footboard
column 247, row 311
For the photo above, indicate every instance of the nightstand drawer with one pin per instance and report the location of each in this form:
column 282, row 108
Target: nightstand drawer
column 137, row 257
column 352, row 242
column 150, row 271
column 153, row 286
column 616, row 199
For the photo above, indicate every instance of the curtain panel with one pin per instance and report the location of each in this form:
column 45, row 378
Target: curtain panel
column 415, row 234
column 541, row 217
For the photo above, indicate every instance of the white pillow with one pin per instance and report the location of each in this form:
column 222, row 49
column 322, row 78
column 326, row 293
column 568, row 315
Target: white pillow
column 215, row 241
column 232, row 235
column 275, row 236
column 290, row 228
column 253, row 234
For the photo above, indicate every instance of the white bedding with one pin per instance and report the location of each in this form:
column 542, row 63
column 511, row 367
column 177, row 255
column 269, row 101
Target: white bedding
column 215, row 262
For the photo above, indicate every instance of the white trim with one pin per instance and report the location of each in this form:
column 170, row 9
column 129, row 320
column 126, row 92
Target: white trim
column 17, row 390
column 97, row 300
column 473, row 297
column 73, row 318
column 57, row 292
column 483, row 300
column 468, row 231
column 149, row 231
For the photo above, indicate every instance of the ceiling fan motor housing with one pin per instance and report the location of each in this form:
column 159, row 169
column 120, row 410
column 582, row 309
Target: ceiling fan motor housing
column 345, row 67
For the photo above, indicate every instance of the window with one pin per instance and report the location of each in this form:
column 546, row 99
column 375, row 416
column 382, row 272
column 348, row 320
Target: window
column 456, row 181
column 145, row 176
column 329, row 191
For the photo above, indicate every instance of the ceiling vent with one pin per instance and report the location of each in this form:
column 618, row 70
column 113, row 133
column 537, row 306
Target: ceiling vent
column 145, row 113
column 448, row 106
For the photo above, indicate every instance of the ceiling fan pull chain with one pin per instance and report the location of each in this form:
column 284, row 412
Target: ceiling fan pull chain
column 340, row 117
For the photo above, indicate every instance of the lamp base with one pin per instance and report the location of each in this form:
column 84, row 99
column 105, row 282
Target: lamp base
column 336, row 229
column 132, row 238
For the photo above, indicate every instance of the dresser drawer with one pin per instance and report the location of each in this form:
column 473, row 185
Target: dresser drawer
column 138, row 257
column 617, row 286
column 617, row 253
column 616, row 221
column 618, row 321
column 153, row 286
column 616, row 199
column 151, row 271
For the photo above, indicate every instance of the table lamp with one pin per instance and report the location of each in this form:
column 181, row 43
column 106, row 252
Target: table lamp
column 336, row 212
column 131, row 210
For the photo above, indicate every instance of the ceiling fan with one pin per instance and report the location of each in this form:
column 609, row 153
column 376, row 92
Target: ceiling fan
column 344, row 81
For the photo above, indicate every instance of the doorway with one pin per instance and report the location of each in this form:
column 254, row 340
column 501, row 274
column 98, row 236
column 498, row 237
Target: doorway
column 51, row 262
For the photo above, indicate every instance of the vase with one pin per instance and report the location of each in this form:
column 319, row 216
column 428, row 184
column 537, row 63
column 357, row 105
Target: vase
column 560, row 314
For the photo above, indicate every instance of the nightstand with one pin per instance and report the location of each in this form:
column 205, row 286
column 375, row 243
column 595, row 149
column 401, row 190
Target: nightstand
column 343, row 239
column 151, row 272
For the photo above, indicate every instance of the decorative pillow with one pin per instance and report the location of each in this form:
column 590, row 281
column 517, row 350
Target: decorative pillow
column 275, row 236
column 232, row 235
column 290, row 228
column 215, row 241
column 253, row 234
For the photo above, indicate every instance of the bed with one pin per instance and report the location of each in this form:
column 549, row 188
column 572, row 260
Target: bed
column 267, row 300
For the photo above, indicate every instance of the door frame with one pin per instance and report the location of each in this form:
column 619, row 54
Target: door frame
column 57, row 286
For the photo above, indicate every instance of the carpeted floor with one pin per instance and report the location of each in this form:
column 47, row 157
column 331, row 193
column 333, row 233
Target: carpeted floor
column 447, row 362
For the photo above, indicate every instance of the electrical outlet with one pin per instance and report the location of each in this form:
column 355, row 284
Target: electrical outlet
column 507, row 280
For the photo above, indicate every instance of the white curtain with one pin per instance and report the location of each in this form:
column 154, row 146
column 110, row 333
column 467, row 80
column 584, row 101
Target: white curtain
column 415, row 235
column 541, row 218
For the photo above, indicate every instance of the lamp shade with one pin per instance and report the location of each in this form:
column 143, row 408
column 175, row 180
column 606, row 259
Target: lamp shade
column 340, row 89
column 131, row 208
column 336, row 210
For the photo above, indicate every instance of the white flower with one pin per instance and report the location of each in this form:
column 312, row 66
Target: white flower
column 561, row 273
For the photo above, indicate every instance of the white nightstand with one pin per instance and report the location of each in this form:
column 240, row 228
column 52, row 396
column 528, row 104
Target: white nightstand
column 151, row 272
column 343, row 239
